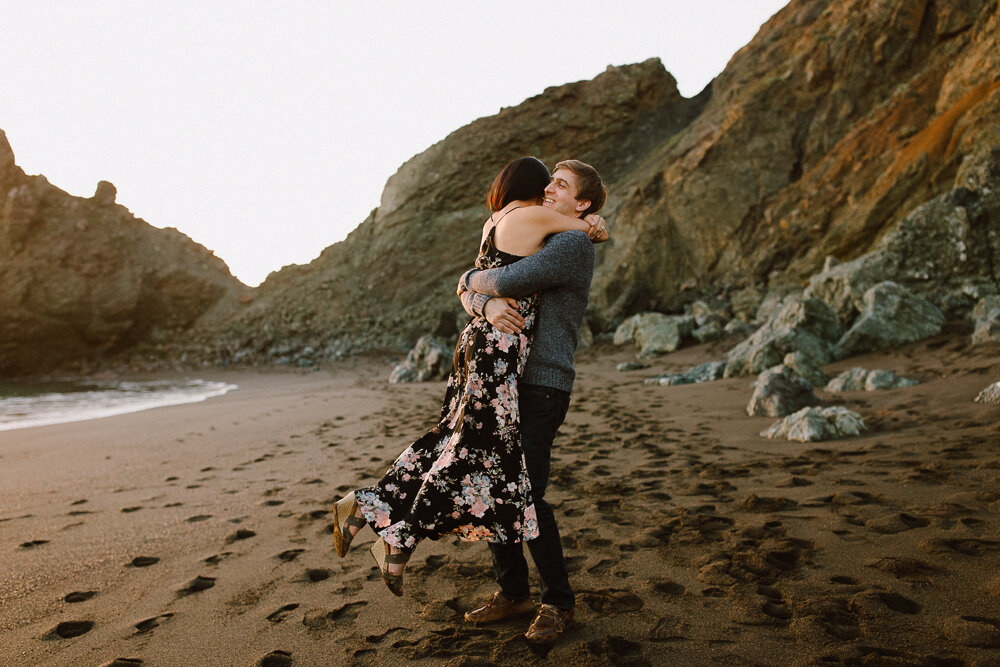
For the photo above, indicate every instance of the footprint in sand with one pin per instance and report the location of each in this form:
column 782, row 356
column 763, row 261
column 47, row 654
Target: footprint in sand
column 289, row 555
column 241, row 534
column 196, row 585
column 347, row 611
column 279, row 615
column 78, row 502
column 667, row 587
column 147, row 625
column 143, row 561
column 198, row 517
column 315, row 574
column 79, row 596
column 313, row 515
column 217, row 558
column 122, row 662
column 69, row 629
column 33, row 543
column 275, row 659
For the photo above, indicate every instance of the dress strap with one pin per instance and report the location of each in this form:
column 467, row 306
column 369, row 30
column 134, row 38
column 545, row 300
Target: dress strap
column 502, row 216
column 488, row 241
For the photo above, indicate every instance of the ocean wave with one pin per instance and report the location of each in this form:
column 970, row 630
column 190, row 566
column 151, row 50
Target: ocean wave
column 96, row 399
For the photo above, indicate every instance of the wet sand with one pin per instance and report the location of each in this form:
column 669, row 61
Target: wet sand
column 200, row 534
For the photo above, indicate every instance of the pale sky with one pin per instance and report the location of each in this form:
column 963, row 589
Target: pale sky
column 266, row 130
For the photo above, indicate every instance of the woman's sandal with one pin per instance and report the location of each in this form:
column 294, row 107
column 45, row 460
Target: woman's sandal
column 344, row 516
column 383, row 556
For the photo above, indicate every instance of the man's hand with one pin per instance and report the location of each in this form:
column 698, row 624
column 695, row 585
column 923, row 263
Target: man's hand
column 598, row 231
column 502, row 313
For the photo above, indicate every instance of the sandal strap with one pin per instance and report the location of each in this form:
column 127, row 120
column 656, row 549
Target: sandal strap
column 397, row 558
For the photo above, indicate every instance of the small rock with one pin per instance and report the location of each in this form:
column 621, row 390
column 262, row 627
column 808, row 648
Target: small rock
column 806, row 368
column 737, row 327
column 430, row 359
column 707, row 333
column 708, row 372
column 653, row 333
column 626, row 366
column 779, row 391
column 745, row 303
column 986, row 316
column 861, row 379
column 816, row 424
column 990, row 395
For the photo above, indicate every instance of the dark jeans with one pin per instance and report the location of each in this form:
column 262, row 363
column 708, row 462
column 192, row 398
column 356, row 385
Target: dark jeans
column 543, row 410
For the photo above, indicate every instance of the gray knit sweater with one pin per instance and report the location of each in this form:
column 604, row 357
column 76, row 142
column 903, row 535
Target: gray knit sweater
column 561, row 271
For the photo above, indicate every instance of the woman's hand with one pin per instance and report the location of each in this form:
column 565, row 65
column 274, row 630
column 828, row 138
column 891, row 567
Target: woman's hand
column 598, row 231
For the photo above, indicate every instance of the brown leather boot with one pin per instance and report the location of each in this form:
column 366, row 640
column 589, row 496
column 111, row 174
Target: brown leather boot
column 549, row 625
column 498, row 608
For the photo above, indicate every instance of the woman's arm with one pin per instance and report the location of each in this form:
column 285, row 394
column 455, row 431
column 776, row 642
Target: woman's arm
column 550, row 222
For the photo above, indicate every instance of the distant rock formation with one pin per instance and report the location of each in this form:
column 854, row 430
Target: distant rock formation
column 82, row 277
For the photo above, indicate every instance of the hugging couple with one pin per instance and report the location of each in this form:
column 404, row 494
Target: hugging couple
column 481, row 472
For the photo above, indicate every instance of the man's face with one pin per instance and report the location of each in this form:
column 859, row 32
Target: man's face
column 560, row 195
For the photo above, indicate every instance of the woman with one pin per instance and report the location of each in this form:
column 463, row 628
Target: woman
column 467, row 475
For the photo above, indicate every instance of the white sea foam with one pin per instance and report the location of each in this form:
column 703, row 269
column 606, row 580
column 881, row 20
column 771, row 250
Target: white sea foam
column 94, row 400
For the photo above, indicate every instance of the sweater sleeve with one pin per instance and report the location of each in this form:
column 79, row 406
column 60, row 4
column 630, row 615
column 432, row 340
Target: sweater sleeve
column 473, row 302
column 565, row 257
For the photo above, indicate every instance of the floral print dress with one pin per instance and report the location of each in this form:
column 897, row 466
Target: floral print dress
column 467, row 475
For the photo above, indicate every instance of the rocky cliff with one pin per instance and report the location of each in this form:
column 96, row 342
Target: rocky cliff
column 394, row 276
column 841, row 120
column 80, row 278
column 835, row 122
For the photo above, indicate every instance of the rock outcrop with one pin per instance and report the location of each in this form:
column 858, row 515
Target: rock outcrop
column 808, row 327
column 891, row 316
column 82, row 277
column 945, row 250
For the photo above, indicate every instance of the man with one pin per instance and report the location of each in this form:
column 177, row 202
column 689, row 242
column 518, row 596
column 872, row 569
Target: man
column 561, row 272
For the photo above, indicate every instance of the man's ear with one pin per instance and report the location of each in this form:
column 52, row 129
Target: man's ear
column 582, row 205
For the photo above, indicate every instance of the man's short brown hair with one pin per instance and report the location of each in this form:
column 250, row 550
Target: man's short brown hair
column 589, row 184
